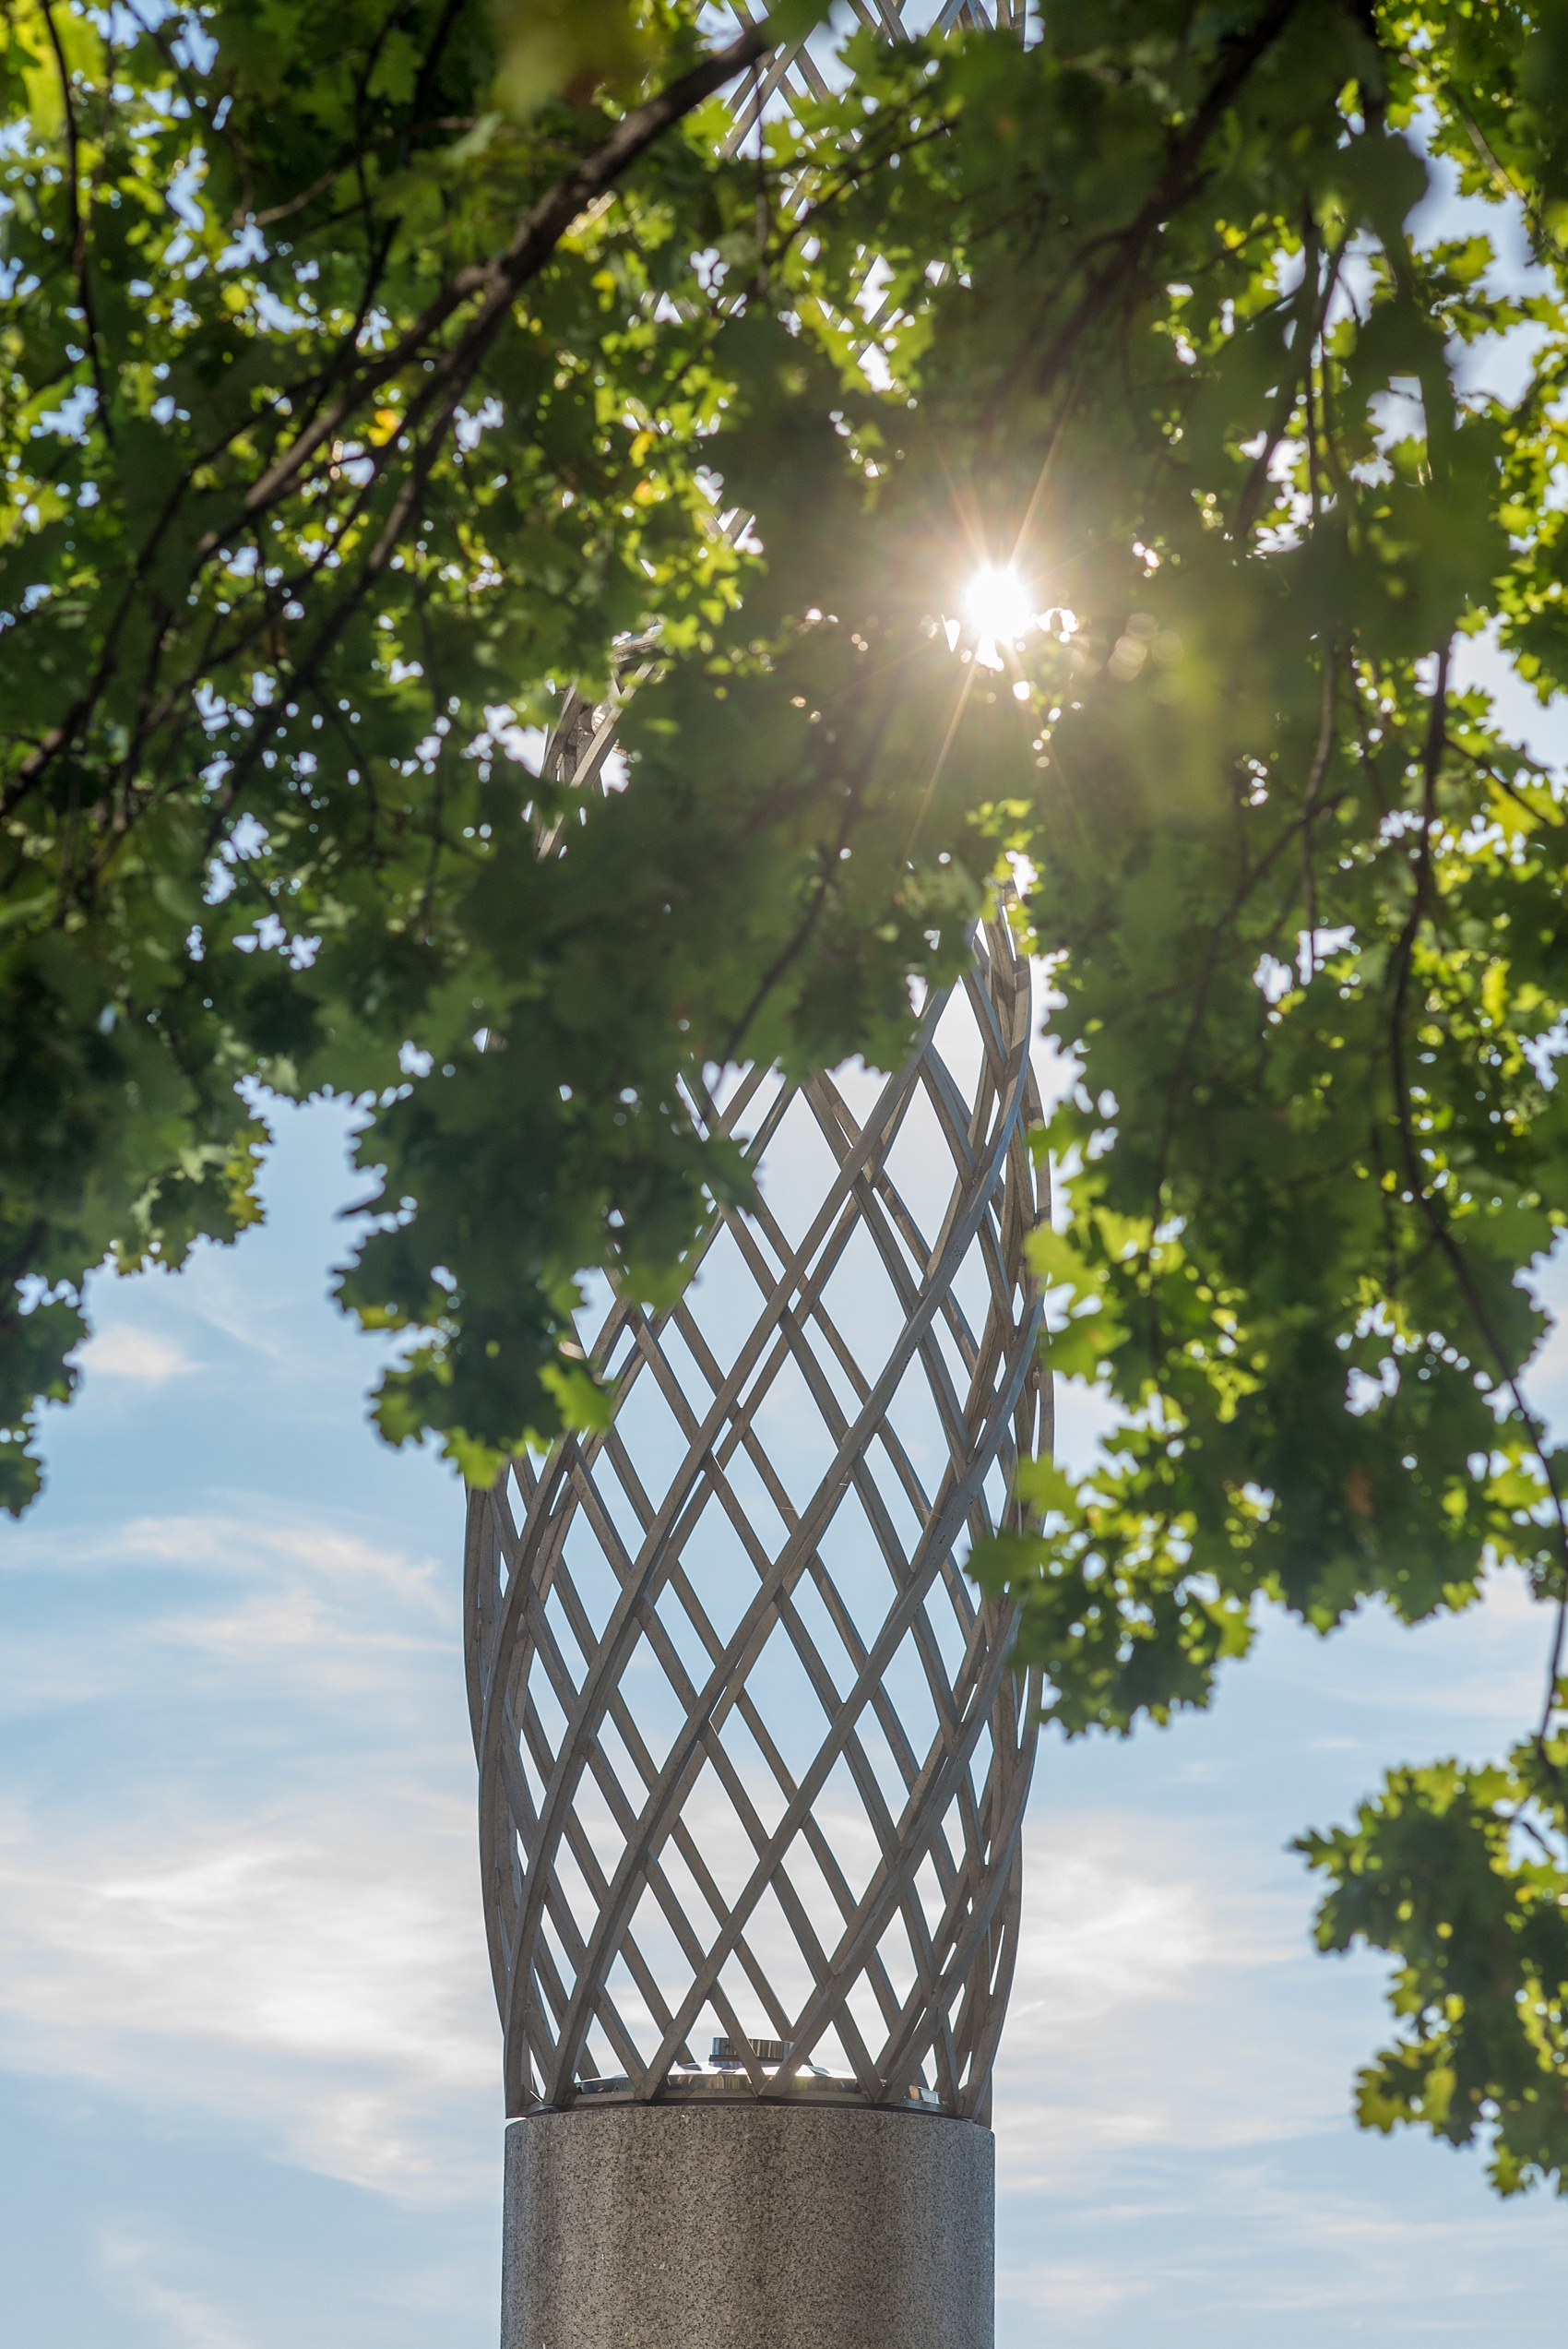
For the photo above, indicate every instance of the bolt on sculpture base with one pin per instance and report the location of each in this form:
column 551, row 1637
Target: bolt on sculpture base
column 756, row 2227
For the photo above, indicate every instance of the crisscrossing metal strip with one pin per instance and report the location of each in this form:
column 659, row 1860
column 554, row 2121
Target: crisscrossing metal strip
column 750, row 1749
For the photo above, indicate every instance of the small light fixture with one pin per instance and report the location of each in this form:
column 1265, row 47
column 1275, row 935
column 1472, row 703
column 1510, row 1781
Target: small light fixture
column 764, row 2051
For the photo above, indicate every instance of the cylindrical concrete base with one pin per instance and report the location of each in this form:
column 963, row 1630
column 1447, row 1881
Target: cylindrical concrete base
column 765, row 2226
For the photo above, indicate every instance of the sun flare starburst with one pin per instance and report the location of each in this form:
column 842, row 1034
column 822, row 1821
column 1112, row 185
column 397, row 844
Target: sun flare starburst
column 996, row 605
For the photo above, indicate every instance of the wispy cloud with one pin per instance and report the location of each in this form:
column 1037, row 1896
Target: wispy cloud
column 279, row 1911
column 1120, row 1916
column 264, row 1548
column 1147, row 2004
column 1070, row 2288
column 122, row 1351
column 130, row 2260
column 279, row 1605
column 1479, row 1673
column 331, row 1978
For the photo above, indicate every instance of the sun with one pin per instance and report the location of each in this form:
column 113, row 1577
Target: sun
column 996, row 605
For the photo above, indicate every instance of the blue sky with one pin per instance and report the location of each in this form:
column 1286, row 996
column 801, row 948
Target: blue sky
column 250, row 2086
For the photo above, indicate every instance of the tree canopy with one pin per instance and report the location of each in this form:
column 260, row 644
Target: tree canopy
column 389, row 391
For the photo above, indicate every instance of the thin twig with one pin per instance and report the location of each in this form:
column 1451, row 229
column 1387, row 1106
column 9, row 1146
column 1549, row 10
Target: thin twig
column 80, row 225
column 1314, row 785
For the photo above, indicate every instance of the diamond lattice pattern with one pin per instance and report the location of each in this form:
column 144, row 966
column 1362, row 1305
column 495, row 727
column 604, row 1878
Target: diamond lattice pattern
column 753, row 1759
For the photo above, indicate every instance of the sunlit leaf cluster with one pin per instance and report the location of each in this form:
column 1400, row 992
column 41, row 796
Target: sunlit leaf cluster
column 1461, row 1872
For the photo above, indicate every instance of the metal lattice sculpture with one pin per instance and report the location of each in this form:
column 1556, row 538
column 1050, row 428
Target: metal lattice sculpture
column 750, row 1747
column 751, row 1754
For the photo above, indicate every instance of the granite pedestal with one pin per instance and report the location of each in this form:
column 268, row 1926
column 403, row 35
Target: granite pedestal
column 761, row 2227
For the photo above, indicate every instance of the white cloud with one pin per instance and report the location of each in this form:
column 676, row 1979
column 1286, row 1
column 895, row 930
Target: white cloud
column 1147, row 2007
column 1066, row 2288
column 325, row 1973
column 294, row 1633
column 324, row 1611
column 221, row 1292
column 129, row 2261
column 1118, row 1917
column 1174, row 2049
column 124, row 1351
column 271, row 1550
column 260, row 1547
column 286, row 1604
column 278, row 1911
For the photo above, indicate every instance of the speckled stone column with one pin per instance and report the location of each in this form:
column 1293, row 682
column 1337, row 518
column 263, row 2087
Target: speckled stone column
column 643, row 2226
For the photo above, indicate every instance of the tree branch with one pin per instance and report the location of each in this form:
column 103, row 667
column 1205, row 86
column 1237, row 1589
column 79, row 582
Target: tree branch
column 497, row 280
column 493, row 284
column 1176, row 182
